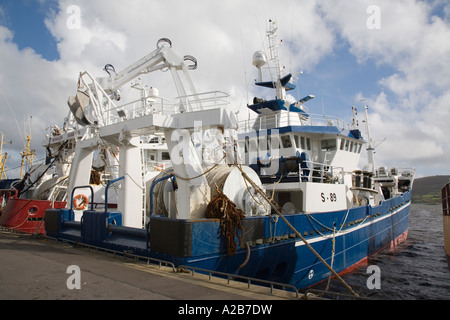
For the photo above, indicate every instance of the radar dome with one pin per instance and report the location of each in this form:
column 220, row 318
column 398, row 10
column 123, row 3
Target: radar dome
column 259, row 59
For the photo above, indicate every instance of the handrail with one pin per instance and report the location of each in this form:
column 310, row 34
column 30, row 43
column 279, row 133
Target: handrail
column 249, row 279
column 291, row 119
column 106, row 190
column 124, row 253
column 163, row 106
column 206, row 100
column 11, row 191
column 318, row 167
column 5, row 194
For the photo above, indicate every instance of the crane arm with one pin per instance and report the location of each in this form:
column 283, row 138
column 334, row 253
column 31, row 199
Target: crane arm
column 162, row 57
column 102, row 91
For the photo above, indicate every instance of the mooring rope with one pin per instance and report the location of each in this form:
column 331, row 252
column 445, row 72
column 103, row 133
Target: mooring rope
column 333, row 250
column 245, row 176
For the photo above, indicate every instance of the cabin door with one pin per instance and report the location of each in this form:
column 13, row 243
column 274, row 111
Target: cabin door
column 315, row 150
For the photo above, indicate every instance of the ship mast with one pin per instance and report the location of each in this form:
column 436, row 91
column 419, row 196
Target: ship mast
column 274, row 57
column 3, row 159
column 27, row 154
column 370, row 148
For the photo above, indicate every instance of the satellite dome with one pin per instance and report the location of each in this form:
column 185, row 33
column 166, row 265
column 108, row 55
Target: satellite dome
column 259, row 59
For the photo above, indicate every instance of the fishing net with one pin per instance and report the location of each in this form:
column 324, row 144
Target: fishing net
column 221, row 207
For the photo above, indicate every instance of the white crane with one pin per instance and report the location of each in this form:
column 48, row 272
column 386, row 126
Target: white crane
column 94, row 102
column 94, row 107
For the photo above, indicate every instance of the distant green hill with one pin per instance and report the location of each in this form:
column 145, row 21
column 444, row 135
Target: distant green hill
column 428, row 189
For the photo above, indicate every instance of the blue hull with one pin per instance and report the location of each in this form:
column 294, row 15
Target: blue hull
column 275, row 253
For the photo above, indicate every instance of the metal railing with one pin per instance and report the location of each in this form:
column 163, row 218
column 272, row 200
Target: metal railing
column 249, row 280
column 125, row 254
column 108, row 112
column 161, row 106
column 322, row 173
column 291, row 119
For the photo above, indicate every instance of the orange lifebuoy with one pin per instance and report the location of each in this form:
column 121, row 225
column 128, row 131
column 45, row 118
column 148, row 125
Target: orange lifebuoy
column 80, row 202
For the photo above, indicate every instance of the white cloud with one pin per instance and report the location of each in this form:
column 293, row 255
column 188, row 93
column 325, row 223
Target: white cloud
column 28, row 87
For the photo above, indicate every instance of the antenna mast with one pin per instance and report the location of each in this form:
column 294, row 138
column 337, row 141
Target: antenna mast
column 3, row 158
column 370, row 148
column 274, row 57
column 27, row 154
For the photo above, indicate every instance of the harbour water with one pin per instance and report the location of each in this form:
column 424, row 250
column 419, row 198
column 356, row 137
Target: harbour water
column 415, row 270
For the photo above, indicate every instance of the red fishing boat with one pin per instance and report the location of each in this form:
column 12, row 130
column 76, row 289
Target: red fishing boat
column 24, row 215
column 41, row 186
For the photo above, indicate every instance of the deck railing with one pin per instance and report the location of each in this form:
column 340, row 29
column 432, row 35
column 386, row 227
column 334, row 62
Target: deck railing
column 107, row 112
column 292, row 119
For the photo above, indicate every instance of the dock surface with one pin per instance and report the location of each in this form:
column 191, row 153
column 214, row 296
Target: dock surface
column 40, row 269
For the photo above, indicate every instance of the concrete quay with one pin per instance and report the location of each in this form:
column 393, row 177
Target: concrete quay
column 43, row 269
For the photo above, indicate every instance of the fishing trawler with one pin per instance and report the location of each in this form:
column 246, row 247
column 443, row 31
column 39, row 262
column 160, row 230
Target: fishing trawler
column 280, row 200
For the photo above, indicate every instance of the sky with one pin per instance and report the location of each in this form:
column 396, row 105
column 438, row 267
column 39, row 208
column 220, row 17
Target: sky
column 394, row 55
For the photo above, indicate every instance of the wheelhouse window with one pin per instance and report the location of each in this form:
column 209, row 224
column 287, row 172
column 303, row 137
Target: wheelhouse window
column 265, row 143
column 286, row 141
column 300, row 142
column 328, row 145
column 351, row 146
column 165, row 156
column 274, row 142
